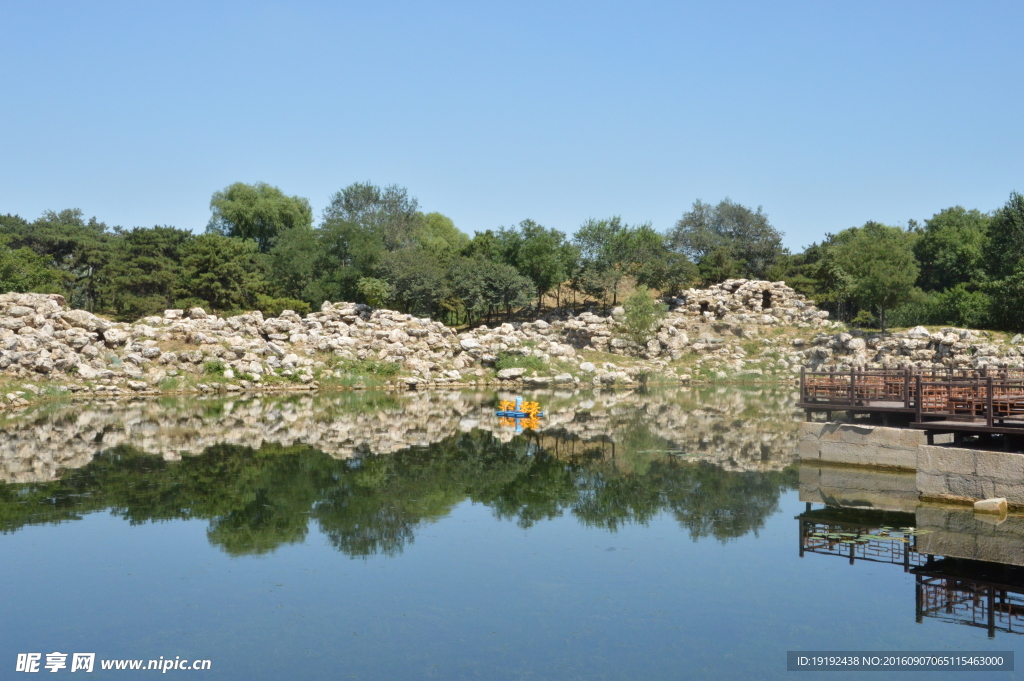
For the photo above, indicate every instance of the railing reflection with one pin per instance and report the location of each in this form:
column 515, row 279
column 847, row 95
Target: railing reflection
column 978, row 593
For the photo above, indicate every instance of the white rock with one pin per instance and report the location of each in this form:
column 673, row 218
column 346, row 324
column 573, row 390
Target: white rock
column 470, row 344
column 996, row 505
column 588, row 367
column 511, row 374
column 919, row 332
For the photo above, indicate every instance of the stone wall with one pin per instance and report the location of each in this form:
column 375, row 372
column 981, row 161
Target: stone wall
column 958, row 474
column 860, row 445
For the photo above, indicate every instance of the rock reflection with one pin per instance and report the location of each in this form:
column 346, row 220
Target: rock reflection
column 369, row 469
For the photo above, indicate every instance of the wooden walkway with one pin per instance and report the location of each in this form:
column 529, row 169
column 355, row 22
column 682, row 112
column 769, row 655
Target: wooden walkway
column 964, row 402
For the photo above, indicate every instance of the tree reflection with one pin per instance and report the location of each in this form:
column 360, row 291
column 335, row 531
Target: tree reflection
column 258, row 500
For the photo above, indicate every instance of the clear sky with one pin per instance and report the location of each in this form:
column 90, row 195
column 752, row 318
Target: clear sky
column 827, row 114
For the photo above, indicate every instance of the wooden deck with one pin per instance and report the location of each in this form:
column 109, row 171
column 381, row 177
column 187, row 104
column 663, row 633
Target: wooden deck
column 962, row 401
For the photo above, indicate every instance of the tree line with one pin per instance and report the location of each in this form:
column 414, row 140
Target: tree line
column 263, row 249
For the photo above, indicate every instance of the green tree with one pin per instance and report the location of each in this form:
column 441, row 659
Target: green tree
column 78, row 247
column 484, row 287
column 388, row 213
column 144, row 272
column 375, row 292
column 951, row 249
column 23, row 270
column 225, row 273
column 1005, row 250
column 418, row 284
column 538, row 253
column 293, row 261
column 438, row 236
column 729, row 232
column 600, row 271
column 879, row 261
column 257, row 211
column 643, row 318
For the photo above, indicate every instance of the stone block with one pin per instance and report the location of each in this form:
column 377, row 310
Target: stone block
column 931, row 483
column 1000, row 465
column 808, row 449
column 807, row 430
column 969, row 487
column 936, row 459
column 1013, row 492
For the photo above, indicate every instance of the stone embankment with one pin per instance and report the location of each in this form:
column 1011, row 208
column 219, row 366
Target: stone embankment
column 40, row 337
column 751, row 430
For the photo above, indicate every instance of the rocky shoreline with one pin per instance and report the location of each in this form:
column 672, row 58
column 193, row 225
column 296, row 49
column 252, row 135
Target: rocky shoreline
column 755, row 331
column 351, row 345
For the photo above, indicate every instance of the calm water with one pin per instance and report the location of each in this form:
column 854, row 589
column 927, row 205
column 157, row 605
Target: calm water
column 637, row 536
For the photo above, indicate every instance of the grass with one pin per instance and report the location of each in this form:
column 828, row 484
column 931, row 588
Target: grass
column 513, row 361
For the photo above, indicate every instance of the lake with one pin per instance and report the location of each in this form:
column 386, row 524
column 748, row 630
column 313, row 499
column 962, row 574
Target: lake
column 662, row 534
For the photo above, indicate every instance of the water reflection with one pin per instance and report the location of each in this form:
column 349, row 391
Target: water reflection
column 370, row 470
column 968, row 568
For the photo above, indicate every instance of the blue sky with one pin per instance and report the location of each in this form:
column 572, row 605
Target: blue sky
column 826, row 114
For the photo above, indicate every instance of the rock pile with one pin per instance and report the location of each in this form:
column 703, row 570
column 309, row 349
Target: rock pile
column 41, row 336
column 745, row 301
column 919, row 348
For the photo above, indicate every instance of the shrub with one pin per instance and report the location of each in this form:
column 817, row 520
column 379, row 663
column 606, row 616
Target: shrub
column 508, row 360
column 643, row 317
column 214, row 368
column 273, row 307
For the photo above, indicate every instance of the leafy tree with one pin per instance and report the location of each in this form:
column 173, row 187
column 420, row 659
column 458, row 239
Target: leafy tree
column 730, row 233
column 1005, row 250
column 647, row 258
column 879, row 262
column 144, row 272
column 293, row 261
column 538, row 253
column 23, row 270
column 71, row 244
column 417, row 282
column 951, row 249
column 600, row 244
column 389, row 214
column 346, row 253
column 375, row 292
column 643, row 318
column 1007, row 310
column 438, row 236
column 483, row 287
column 258, row 211
column 225, row 273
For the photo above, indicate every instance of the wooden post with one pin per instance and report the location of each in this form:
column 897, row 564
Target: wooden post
column 906, row 388
column 853, row 379
column 988, row 401
column 803, row 385
column 917, row 398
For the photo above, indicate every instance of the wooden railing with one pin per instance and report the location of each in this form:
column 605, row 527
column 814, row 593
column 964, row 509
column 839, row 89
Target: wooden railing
column 971, row 395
